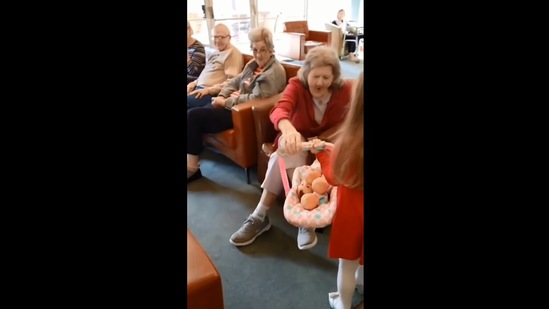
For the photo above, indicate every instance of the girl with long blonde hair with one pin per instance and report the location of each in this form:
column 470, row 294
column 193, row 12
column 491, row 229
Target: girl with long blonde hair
column 343, row 166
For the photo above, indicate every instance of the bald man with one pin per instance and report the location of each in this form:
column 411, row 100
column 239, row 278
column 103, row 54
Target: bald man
column 223, row 63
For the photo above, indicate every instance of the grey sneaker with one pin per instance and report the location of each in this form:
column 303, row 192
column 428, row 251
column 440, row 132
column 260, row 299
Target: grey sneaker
column 249, row 231
column 306, row 238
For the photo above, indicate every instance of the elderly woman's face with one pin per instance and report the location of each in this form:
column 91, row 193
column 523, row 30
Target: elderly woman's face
column 261, row 53
column 319, row 80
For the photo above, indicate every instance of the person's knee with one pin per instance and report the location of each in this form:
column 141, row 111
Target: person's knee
column 193, row 101
column 272, row 183
column 194, row 116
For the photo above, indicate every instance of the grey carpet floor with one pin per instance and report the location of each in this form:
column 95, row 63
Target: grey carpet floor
column 271, row 273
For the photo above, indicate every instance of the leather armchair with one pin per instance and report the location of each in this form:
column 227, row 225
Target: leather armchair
column 240, row 143
column 204, row 288
column 297, row 39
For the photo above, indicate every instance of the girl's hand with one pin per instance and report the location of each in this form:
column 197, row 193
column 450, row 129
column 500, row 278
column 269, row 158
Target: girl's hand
column 317, row 145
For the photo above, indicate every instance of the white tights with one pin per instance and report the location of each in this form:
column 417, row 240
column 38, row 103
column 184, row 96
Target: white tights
column 348, row 275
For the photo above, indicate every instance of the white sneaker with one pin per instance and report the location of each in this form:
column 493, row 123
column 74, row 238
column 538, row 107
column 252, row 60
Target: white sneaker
column 306, row 238
column 332, row 297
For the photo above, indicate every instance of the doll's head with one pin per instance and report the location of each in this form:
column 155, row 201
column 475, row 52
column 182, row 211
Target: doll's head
column 309, row 201
column 320, row 185
column 304, row 188
column 311, row 175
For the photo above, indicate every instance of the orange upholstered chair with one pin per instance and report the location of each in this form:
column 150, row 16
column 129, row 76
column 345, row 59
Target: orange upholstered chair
column 297, row 39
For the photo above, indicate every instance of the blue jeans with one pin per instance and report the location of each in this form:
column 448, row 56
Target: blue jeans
column 192, row 101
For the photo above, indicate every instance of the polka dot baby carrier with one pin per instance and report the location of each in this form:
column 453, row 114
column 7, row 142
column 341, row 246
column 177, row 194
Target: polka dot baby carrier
column 294, row 212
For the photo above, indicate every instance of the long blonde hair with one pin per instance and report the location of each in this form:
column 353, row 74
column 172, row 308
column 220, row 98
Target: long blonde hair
column 348, row 165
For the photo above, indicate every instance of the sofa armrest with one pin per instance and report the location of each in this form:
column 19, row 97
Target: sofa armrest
column 264, row 128
column 320, row 36
column 243, row 119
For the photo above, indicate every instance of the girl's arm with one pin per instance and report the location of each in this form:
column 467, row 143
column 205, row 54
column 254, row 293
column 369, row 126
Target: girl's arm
column 325, row 161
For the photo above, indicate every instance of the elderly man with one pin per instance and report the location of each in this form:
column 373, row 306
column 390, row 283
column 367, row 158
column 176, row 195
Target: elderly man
column 223, row 63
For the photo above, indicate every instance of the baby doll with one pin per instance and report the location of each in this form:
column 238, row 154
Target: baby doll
column 320, row 187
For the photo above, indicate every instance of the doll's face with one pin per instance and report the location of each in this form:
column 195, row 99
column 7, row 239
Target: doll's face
column 303, row 188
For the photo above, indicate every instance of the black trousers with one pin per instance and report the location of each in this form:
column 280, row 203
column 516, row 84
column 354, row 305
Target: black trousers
column 352, row 47
column 206, row 119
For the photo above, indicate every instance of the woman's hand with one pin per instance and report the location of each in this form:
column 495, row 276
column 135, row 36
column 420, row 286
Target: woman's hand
column 219, row 102
column 200, row 93
column 292, row 141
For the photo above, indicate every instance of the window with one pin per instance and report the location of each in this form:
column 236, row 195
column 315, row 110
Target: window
column 197, row 18
column 236, row 15
column 272, row 13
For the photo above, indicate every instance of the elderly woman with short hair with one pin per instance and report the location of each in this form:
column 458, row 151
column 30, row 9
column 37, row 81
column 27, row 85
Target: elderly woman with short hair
column 262, row 77
column 313, row 104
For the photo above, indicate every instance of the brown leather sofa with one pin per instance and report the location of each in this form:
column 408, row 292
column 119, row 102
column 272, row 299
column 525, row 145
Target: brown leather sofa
column 240, row 143
column 297, row 39
column 204, row 288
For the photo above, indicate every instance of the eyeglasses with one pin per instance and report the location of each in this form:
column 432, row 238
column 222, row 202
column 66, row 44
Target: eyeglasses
column 261, row 51
column 218, row 37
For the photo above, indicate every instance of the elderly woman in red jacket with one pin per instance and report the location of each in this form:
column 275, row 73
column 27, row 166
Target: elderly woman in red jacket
column 313, row 105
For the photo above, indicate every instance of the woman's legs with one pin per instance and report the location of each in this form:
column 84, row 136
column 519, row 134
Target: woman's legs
column 202, row 120
column 352, row 47
column 258, row 222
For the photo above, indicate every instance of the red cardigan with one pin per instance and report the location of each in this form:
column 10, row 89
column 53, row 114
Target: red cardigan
column 296, row 105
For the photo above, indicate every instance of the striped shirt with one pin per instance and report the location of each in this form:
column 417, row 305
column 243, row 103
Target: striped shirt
column 198, row 58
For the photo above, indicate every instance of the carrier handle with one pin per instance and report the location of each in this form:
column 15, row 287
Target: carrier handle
column 305, row 146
